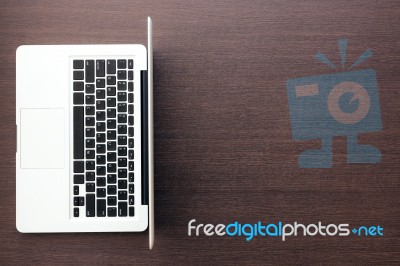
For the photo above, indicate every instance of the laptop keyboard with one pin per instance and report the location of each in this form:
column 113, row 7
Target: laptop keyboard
column 103, row 138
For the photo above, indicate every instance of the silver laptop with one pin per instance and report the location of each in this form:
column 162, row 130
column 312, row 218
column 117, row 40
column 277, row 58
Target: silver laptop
column 84, row 116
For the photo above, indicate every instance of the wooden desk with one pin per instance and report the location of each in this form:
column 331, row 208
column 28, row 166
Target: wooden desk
column 223, row 145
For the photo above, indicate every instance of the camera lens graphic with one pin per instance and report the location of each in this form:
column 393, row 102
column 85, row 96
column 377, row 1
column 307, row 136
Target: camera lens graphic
column 359, row 93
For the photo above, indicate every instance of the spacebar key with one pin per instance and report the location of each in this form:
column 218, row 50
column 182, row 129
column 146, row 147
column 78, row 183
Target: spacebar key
column 78, row 132
column 90, row 208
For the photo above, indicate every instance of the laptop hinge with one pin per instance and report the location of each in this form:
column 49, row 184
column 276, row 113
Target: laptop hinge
column 145, row 137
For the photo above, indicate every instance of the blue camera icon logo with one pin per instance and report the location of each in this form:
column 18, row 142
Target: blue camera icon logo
column 340, row 104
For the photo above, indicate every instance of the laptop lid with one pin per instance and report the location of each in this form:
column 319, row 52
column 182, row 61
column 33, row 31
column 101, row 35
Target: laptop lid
column 150, row 130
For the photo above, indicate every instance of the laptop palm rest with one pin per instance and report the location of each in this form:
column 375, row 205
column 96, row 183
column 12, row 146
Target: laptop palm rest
column 42, row 138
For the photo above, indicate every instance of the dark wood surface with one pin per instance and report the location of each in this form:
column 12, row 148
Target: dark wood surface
column 223, row 144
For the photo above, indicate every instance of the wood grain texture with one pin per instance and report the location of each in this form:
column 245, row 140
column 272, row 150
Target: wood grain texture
column 223, row 146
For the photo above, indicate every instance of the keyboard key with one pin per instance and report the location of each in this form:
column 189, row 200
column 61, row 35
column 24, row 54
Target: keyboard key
column 122, row 151
column 131, row 211
column 101, row 170
column 130, row 132
column 131, row 188
column 111, row 190
column 78, row 118
column 100, row 126
column 100, row 83
column 79, row 98
column 122, row 162
column 90, row 143
column 122, row 173
column 111, row 178
column 78, row 75
column 130, row 86
column 100, row 94
column 122, row 195
column 111, row 124
column 111, row 113
column 79, row 201
column 111, row 156
column 111, row 102
column 101, row 159
column 122, row 140
column 130, row 143
column 131, row 178
column 76, row 201
column 111, row 146
column 130, row 98
column 131, row 200
column 130, row 64
column 101, row 148
column 130, row 109
column 100, row 68
column 90, row 199
column 90, row 132
column 90, row 187
column 79, row 167
column 111, row 135
column 90, row 154
column 100, row 115
column 110, row 66
column 122, row 96
column 121, row 85
column 111, row 211
column 90, row 165
column 121, row 118
column 130, row 120
column 78, row 86
column 76, row 212
column 89, row 88
column 112, row 201
column 101, row 193
column 121, row 63
column 111, row 168
column 122, row 209
column 101, row 181
column 121, row 74
column 90, row 99
column 122, row 184
column 76, row 190
column 111, row 91
column 130, row 75
column 131, row 166
column 101, row 137
column 78, row 64
column 90, row 121
column 121, row 129
column 101, row 207
column 90, row 176
column 89, row 70
column 100, row 105
column 90, row 110
column 131, row 155
column 111, row 80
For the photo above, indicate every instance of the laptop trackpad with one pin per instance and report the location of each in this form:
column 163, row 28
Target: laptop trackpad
column 42, row 138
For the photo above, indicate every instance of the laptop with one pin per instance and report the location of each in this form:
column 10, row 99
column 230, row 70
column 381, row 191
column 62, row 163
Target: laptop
column 84, row 159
